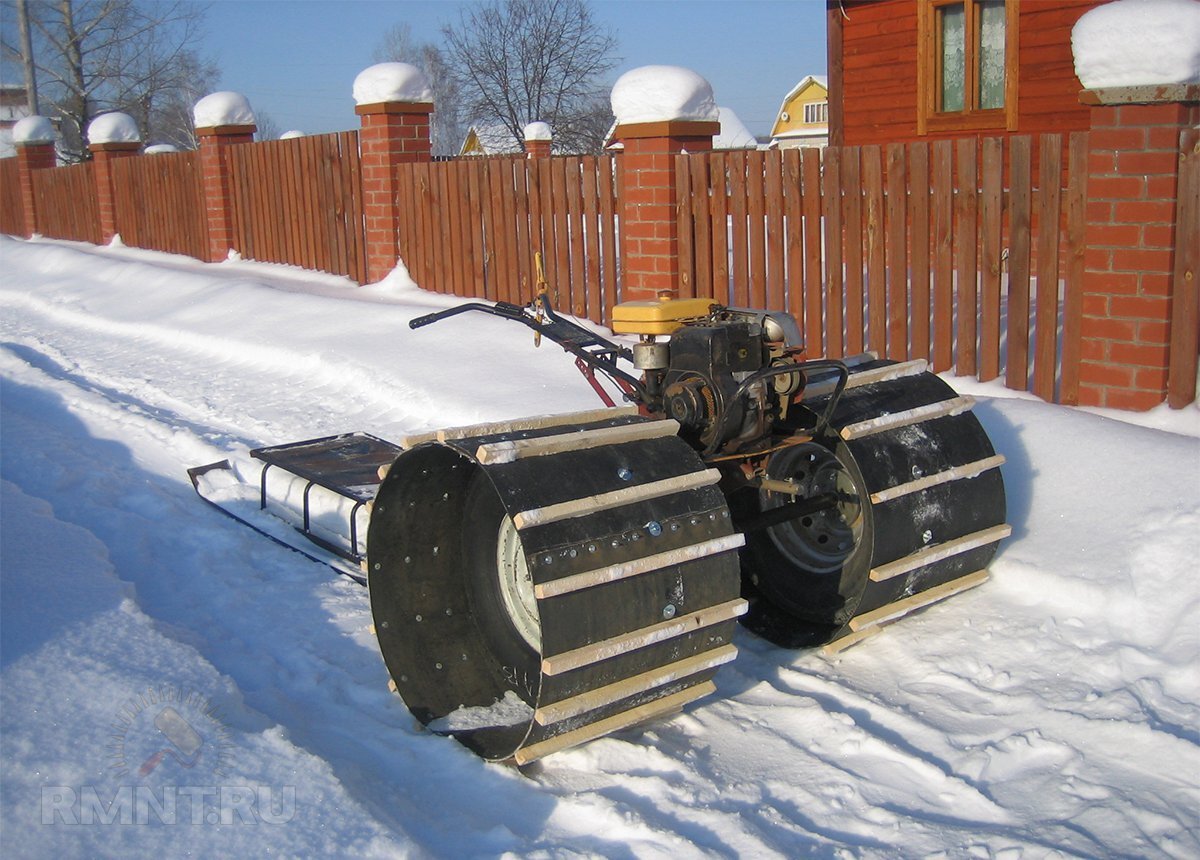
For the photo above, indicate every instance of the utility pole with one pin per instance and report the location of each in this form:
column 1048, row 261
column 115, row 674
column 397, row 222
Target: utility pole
column 31, row 93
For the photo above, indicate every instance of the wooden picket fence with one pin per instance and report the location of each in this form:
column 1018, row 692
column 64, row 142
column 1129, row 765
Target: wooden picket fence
column 299, row 201
column 65, row 201
column 953, row 252
column 159, row 203
column 12, row 213
column 475, row 224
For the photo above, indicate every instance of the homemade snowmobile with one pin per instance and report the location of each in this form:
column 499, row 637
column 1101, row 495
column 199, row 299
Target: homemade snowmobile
column 539, row 583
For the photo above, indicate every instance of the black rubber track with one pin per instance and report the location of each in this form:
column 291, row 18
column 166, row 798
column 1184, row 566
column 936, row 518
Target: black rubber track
column 445, row 637
column 793, row 605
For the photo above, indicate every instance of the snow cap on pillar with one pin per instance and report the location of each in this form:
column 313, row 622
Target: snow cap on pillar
column 34, row 129
column 391, row 82
column 662, row 94
column 223, row 108
column 115, row 127
column 538, row 131
column 1132, row 43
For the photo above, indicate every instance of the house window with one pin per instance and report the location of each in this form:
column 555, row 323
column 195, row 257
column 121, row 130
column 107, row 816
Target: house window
column 967, row 64
column 815, row 112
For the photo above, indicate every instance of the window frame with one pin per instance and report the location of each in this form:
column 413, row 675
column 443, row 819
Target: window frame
column 820, row 109
column 929, row 71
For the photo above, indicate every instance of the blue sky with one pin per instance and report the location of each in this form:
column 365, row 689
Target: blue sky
column 297, row 59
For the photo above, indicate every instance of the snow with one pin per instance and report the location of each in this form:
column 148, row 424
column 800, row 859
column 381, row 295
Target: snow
column 160, row 148
column 113, row 127
column 291, row 135
column 391, row 82
column 34, row 129
column 662, row 94
column 1138, row 42
column 733, row 133
column 1051, row 712
column 223, row 108
column 538, row 131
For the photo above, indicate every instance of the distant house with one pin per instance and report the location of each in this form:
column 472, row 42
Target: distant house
column 920, row 69
column 14, row 105
column 490, row 139
column 803, row 118
column 733, row 134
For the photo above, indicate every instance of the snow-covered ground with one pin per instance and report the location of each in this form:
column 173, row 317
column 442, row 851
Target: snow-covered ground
column 1051, row 712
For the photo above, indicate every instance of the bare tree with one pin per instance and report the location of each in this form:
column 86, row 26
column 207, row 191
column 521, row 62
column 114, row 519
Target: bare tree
column 518, row 61
column 398, row 46
column 93, row 56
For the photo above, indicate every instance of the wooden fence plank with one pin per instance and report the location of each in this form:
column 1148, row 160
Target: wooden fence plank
column 756, row 233
column 872, row 167
column 1046, row 312
column 776, row 285
column 919, row 232
column 814, row 257
column 990, row 239
column 833, row 344
column 682, row 166
column 897, row 253
column 719, row 230
column 849, row 159
column 1185, row 317
column 591, row 237
column 794, row 232
column 1020, row 202
column 967, row 247
column 943, row 256
column 1077, row 170
column 574, row 180
column 609, row 167
column 739, row 241
column 699, row 181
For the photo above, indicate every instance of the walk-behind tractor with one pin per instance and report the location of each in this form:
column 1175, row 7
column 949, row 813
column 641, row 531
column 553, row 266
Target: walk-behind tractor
column 540, row 583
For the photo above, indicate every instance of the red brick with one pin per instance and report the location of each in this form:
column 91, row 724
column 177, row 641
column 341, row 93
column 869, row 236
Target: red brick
column 1140, row 307
column 1143, row 212
column 1105, row 374
column 1116, row 139
column 1162, row 187
column 1151, row 379
column 1095, row 305
column 1093, row 349
column 1169, row 113
column 1142, row 355
column 1110, row 329
column 1116, row 187
column 1102, row 162
column 1111, row 283
column 1163, row 137
column 1134, row 400
column 1155, row 283
column 1091, row 395
column 1143, row 163
column 1157, row 236
column 1135, row 260
column 1100, row 212
column 1114, row 235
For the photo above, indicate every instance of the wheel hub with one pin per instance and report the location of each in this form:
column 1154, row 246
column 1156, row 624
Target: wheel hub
column 822, row 541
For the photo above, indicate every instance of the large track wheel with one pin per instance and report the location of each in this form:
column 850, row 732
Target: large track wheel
column 919, row 507
column 533, row 589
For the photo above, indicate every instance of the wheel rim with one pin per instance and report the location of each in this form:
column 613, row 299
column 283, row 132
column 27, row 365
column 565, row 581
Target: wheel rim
column 516, row 585
column 819, row 542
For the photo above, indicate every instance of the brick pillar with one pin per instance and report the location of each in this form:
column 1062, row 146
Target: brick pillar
column 214, row 172
column 1131, row 241
column 649, row 228
column 392, row 133
column 30, row 157
column 537, row 148
column 103, row 156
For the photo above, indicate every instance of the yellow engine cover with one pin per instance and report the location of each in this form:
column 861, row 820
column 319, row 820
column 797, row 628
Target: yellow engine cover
column 661, row 316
